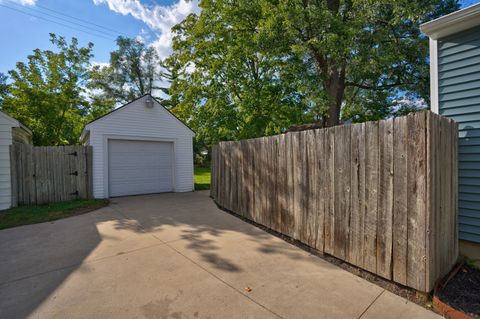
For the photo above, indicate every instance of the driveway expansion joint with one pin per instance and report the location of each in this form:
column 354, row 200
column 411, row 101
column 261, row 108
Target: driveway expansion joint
column 373, row 301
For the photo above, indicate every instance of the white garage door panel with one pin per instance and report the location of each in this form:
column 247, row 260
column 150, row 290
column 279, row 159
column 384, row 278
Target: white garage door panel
column 139, row 167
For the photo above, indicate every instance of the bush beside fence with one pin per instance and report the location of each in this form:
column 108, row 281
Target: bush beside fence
column 379, row 195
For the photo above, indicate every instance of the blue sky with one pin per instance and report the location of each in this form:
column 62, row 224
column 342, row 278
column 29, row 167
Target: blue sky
column 21, row 32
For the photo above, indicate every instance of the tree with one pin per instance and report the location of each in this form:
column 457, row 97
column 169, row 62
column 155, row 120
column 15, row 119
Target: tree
column 48, row 93
column 230, row 83
column 360, row 45
column 3, row 86
column 134, row 70
column 252, row 67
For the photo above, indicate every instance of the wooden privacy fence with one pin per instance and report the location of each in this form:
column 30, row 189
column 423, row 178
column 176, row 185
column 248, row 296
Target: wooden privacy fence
column 379, row 195
column 46, row 174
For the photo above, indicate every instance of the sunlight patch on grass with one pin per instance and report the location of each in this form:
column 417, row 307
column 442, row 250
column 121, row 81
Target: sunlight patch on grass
column 202, row 178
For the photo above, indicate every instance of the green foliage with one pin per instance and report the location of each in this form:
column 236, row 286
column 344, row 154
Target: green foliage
column 366, row 53
column 230, row 84
column 25, row 215
column 48, row 94
column 201, row 154
column 134, row 70
column 254, row 67
column 3, row 86
column 373, row 105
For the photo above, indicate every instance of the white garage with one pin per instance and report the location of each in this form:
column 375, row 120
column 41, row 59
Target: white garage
column 140, row 148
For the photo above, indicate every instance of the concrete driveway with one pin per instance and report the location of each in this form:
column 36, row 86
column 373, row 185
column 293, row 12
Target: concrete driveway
column 175, row 256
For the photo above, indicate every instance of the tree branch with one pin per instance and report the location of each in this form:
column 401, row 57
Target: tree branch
column 376, row 87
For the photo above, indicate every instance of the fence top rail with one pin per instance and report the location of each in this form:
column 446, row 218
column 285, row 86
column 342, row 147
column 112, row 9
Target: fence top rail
column 435, row 116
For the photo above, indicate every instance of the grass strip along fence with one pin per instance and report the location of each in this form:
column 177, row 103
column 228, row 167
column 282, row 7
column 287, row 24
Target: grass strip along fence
column 379, row 195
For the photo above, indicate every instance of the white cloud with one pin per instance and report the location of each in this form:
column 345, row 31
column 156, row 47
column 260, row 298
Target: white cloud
column 410, row 102
column 24, row 2
column 159, row 18
column 100, row 64
column 144, row 36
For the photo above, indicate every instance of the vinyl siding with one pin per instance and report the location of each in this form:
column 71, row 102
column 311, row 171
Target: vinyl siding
column 135, row 121
column 459, row 99
column 5, row 183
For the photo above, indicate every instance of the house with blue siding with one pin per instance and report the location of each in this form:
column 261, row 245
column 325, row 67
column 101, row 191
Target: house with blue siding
column 455, row 93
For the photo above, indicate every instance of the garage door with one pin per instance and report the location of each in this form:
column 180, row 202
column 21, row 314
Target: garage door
column 139, row 167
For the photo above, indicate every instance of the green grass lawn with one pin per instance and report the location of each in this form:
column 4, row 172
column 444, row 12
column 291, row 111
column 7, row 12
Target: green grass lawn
column 202, row 178
column 24, row 215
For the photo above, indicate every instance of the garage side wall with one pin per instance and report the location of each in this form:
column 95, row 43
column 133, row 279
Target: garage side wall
column 136, row 122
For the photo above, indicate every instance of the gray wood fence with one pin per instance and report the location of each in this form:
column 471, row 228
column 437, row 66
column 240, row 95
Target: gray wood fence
column 46, row 174
column 379, row 195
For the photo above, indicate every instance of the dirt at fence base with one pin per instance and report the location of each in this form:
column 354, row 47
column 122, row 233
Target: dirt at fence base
column 462, row 292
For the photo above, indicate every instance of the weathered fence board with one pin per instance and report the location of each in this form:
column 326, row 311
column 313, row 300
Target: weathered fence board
column 416, row 200
column 399, row 249
column 330, row 191
column 371, row 197
column 310, row 225
column 320, row 192
column 385, row 200
column 380, row 195
column 357, row 214
column 45, row 174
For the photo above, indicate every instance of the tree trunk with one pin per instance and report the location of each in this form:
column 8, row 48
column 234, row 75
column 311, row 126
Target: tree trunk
column 335, row 87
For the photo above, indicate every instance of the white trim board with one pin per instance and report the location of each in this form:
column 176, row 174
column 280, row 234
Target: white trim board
column 434, row 105
column 452, row 23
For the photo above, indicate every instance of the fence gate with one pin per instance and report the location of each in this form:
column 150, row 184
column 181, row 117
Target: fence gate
column 46, row 174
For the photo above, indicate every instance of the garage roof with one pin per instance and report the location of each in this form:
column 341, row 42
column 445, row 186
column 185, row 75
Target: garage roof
column 85, row 129
column 15, row 122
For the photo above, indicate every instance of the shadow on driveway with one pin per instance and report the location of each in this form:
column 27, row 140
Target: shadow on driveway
column 55, row 250
column 175, row 255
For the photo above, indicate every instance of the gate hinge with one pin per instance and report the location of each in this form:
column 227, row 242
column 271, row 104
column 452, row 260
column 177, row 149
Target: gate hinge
column 74, row 173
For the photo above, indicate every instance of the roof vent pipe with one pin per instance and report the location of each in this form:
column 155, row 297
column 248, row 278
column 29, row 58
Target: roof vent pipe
column 149, row 102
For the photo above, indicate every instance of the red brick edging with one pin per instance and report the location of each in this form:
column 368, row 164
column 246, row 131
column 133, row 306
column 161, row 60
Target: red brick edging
column 447, row 311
